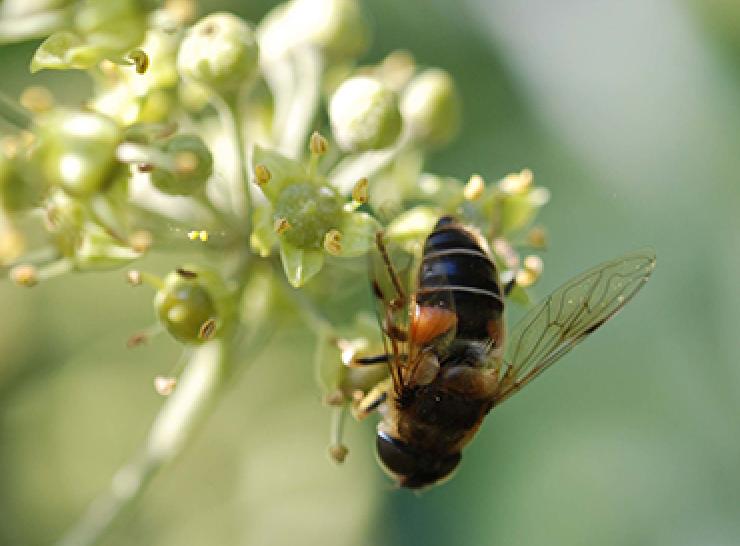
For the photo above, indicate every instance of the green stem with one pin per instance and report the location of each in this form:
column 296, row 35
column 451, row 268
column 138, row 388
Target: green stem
column 347, row 172
column 176, row 423
column 36, row 25
column 221, row 218
column 13, row 113
column 300, row 114
column 231, row 119
column 208, row 371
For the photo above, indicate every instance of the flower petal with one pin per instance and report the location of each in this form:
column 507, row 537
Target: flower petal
column 358, row 231
column 282, row 171
column 300, row 265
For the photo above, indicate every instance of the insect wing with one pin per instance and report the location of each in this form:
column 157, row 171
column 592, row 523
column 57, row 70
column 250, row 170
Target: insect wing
column 572, row 312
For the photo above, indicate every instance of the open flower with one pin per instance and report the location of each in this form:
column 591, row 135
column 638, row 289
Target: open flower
column 306, row 217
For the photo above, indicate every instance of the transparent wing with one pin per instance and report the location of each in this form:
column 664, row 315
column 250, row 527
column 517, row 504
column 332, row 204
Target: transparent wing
column 572, row 312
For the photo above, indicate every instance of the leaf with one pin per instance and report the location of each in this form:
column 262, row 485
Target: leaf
column 300, row 265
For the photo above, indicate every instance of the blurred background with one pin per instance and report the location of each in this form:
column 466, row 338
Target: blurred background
column 629, row 111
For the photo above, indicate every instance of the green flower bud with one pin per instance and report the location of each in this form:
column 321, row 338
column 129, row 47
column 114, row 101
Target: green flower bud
column 192, row 166
column 77, row 150
column 113, row 25
column 220, row 51
column 338, row 27
column 431, row 108
column 101, row 29
column 310, row 211
column 364, row 115
column 193, row 304
column 411, row 226
column 133, row 97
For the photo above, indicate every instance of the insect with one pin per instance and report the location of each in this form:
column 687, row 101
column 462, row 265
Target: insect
column 451, row 360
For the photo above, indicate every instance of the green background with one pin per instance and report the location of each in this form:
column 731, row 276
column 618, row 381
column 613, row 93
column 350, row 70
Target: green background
column 629, row 111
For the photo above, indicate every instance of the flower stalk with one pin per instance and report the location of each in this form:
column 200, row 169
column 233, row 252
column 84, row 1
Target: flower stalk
column 178, row 421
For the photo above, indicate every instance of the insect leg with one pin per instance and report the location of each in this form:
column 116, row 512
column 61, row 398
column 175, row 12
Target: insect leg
column 509, row 286
column 376, row 359
column 372, row 401
column 367, row 360
column 337, row 449
column 394, row 333
column 400, row 299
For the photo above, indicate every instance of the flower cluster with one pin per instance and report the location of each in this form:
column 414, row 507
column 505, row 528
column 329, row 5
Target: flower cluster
column 272, row 138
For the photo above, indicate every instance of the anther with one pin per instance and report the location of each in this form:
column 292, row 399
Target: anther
column 262, row 174
column 359, row 191
column 474, row 188
column 164, row 385
column 318, row 144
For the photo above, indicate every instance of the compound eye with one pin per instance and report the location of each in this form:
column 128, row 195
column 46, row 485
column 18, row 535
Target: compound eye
column 395, row 456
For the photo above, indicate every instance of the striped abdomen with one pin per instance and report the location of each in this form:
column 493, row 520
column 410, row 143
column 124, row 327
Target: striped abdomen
column 456, row 273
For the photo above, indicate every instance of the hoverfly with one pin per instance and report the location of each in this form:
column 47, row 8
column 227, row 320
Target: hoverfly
column 449, row 357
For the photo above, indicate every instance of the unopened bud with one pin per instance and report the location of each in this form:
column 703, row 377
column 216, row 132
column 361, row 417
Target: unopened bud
column 193, row 304
column 191, row 169
column 220, row 52
column 181, row 11
column 515, row 183
column 474, row 188
column 364, row 115
column 262, row 174
column 337, row 27
column 396, row 69
column 431, row 107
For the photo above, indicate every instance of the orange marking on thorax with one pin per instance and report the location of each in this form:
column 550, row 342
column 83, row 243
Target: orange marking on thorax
column 430, row 322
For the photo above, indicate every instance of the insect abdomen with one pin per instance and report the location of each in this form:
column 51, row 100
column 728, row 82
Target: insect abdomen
column 457, row 273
